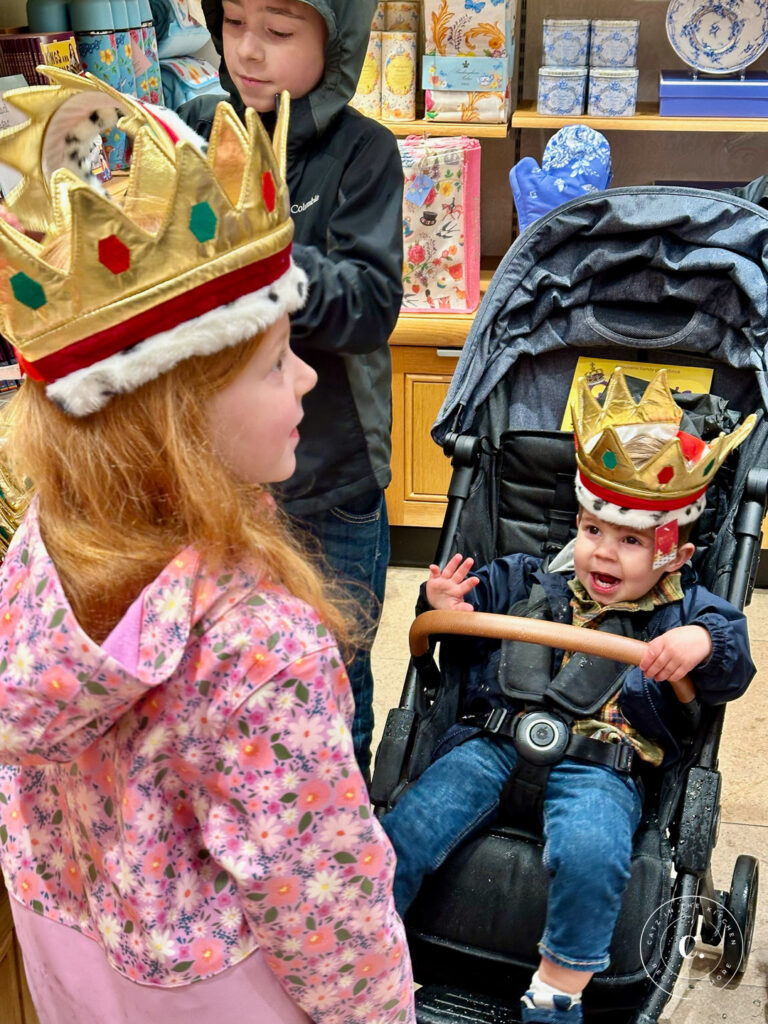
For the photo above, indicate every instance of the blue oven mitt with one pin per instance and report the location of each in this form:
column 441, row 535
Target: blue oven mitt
column 577, row 159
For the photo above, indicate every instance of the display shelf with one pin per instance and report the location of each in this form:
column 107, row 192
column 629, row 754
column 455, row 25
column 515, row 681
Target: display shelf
column 446, row 330
column 450, row 129
column 647, row 119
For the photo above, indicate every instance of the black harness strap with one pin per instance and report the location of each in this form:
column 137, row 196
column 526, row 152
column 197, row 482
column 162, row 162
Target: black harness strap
column 523, row 794
column 562, row 514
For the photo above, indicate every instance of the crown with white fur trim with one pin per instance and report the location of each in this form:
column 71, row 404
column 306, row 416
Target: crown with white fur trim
column 193, row 257
column 668, row 485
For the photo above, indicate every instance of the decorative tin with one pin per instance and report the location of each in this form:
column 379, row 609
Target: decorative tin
column 561, row 91
column 565, row 42
column 401, row 17
column 379, row 18
column 367, row 98
column 613, row 44
column 398, row 76
column 612, row 92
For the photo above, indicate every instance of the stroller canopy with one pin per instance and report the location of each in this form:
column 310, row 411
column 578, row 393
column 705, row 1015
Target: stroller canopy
column 651, row 267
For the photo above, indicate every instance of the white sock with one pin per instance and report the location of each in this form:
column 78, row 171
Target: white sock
column 542, row 995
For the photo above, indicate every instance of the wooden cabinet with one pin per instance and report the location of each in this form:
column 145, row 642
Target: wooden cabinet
column 15, row 1001
column 420, row 472
column 425, row 349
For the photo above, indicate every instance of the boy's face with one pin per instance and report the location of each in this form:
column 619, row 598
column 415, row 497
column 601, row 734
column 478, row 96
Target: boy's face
column 271, row 45
column 615, row 563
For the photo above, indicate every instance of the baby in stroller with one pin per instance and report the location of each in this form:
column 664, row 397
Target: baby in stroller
column 640, row 486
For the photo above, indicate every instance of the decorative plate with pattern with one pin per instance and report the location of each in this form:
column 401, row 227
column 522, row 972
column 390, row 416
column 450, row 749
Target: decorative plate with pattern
column 718, row 36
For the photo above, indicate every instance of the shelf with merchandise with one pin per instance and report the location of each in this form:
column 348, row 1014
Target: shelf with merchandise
column 448, row 129
column 446, row 330
column 647, row 119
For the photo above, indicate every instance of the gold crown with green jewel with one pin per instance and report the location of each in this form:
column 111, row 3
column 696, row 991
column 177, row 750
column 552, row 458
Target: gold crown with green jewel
column 669, row 484
column 193, row 257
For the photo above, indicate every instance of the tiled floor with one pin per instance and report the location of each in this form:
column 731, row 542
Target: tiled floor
column 744, row 829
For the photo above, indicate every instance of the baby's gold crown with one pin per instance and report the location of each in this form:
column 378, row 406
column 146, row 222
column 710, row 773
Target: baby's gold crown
column 682, row 468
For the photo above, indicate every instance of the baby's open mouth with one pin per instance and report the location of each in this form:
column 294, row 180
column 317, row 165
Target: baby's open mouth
column 604, row 580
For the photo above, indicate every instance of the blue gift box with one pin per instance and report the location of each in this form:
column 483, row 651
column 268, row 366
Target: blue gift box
column 468, row 74
column 682, row 95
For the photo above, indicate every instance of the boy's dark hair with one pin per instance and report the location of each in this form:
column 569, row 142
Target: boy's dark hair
column 684, row 531
column 641, row 448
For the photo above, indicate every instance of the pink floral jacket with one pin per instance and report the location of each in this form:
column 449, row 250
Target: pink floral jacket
column 203, row 806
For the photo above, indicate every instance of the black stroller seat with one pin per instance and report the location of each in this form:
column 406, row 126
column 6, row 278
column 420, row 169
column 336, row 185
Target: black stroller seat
column 661, row 276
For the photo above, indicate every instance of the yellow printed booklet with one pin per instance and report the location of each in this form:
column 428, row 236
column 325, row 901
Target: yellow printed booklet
column 696, row 379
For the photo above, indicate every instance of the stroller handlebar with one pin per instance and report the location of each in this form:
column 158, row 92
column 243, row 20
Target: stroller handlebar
column 534, row 631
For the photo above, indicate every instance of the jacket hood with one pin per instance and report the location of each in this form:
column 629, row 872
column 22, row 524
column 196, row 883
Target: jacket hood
column 59, row 690
column 349, row 28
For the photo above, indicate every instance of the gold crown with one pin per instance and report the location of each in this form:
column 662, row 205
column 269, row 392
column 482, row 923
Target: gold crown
column 190, row 234
column 682, row 468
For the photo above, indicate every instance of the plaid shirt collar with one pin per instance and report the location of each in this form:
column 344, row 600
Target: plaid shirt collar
column 668, row 590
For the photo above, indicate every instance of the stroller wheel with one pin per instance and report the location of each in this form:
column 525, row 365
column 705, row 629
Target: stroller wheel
column 741, row 907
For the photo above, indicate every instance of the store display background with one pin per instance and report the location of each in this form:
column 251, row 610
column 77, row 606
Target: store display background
column 638, row 158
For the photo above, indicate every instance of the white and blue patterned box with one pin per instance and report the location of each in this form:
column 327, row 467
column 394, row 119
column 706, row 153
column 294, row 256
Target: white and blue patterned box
column 612, row 92
column 613, row 44
column 565, row 42
column 561, row 91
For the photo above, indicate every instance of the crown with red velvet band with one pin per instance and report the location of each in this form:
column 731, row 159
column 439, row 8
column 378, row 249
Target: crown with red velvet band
column 194, row 256
column 669, row 485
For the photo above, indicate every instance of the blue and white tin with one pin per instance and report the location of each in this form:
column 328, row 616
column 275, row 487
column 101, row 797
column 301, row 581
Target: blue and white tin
column 613, row 44
column 561, row 91
column 612, row 92
column 565, row 42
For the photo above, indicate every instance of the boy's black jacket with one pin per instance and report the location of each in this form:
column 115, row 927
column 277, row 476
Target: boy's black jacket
column 346, row 184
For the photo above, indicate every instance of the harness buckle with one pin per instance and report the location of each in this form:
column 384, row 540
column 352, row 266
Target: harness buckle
column 542, row 737
column 496, row 720
column 625, row 755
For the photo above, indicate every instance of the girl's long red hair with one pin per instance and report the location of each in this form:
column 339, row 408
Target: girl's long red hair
column 122, row 491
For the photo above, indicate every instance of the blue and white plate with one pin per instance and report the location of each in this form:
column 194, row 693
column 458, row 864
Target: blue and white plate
column 718, row 36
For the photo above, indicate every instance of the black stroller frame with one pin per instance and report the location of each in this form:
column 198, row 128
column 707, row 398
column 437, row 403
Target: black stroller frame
column 580, row 282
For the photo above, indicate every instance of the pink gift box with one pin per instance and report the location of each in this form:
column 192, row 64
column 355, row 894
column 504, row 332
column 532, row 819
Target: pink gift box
column 441, row 224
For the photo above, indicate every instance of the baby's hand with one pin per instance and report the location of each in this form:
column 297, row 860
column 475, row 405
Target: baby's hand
column 675, row 653
column 447, row 588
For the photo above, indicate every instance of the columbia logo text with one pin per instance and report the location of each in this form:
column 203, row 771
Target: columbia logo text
column 301, row 207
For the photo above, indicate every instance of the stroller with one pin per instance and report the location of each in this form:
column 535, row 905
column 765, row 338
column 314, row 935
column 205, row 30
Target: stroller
column 662, row 275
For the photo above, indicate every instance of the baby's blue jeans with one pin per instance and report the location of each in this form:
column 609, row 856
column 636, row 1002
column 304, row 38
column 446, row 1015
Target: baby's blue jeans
column 590, row 816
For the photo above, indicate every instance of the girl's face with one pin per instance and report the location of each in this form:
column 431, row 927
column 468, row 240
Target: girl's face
column 253, row 421
column 271, row 45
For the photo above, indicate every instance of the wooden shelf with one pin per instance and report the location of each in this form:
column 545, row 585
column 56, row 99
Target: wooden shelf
column 451, row 129
column 441, row 330
column 647, row 119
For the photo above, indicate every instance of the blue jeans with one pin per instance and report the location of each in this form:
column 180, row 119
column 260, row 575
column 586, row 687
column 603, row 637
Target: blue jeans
column 590, row 816
column 355, row 541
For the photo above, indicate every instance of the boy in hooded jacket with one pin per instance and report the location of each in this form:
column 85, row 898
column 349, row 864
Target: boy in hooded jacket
column 345, row 181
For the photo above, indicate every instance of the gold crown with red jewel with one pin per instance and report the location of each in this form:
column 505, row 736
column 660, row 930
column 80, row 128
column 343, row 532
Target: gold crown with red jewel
column 192, row 257
column 669, row 484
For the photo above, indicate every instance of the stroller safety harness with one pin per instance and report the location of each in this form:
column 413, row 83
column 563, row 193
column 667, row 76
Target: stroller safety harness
column 542, row 739
column 540, row 733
